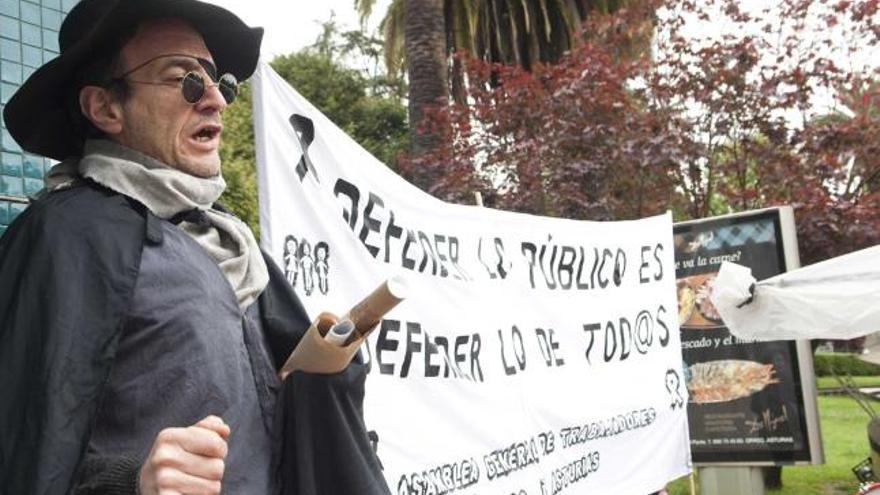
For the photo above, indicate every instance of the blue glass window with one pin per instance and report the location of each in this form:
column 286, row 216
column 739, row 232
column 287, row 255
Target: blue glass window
column 11, row 164
column 9, row 144
column 9, row 50
column 31, row 34
column 9, row 27
column 50, row 40
column 30, row 13
column 10, row 72
column 32, row 56
column 6, row 91
column 33, row 167
column 32, row 186
column 28, row 39
column 15, row 210
column 9, row 7
column 11, row 186
column 51, row 19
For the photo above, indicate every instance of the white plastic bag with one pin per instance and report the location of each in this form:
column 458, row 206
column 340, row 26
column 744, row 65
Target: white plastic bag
column 835, row 299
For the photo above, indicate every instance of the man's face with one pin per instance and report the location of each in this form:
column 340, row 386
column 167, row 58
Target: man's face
column 156, row 119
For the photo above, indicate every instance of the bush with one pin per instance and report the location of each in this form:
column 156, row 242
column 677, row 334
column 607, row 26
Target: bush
column 828, row 364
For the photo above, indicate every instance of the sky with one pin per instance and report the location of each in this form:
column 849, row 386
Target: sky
column 294, row 24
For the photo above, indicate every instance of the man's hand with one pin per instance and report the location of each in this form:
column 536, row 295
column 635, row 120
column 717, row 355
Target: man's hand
column 186, row 460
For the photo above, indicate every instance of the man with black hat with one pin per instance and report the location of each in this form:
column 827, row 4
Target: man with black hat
column 142, row 327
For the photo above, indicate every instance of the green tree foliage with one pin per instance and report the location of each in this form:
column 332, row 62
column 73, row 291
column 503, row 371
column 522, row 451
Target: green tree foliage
column 378, row 123
column 239, row 164
column 362, row 104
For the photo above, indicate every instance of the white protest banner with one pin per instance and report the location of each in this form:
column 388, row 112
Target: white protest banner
column 532, row 356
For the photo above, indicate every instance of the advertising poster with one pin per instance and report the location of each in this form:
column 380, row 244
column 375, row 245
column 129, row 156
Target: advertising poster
column 750, row 402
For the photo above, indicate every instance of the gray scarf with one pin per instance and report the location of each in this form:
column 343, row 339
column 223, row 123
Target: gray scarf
column 167, row 192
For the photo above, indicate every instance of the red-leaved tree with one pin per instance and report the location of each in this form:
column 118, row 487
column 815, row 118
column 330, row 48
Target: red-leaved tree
column 726, row 110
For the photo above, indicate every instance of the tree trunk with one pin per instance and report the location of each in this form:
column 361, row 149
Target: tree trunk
column 425, row 43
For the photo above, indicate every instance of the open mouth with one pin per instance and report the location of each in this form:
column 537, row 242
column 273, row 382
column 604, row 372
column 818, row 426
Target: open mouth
column 207, row 133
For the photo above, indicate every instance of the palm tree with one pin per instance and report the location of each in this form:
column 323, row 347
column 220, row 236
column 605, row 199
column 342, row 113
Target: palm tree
column 518, row 32
column 421, row 35
column 425, row 41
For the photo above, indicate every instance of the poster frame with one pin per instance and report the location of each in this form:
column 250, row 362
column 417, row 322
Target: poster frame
column 787, row 250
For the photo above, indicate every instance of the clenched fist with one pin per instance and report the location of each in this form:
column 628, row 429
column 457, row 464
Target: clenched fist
column 186, row 460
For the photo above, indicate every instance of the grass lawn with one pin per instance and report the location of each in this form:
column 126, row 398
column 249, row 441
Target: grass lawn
column 861, row 381
column 845, row 438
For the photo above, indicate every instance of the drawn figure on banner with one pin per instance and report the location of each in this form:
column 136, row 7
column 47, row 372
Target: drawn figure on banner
column 322, row 255
column 291, row 259
column 307, row 267
column 673, row 386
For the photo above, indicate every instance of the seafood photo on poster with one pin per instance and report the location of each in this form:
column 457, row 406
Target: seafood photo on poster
column 745, row 399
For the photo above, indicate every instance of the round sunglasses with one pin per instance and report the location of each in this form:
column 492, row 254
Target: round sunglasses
column 192, row 84
column 193, row 87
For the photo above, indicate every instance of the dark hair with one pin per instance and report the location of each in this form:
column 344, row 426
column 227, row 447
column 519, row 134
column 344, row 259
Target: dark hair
column 287, row 240
column 322, row 246
column 99, row 71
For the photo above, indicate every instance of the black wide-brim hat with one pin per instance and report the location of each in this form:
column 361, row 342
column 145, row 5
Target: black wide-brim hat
column 37, row 115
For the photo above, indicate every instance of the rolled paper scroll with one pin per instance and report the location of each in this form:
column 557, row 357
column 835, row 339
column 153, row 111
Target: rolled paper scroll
column 319, row 351
column 340, row 332
column 367, row 314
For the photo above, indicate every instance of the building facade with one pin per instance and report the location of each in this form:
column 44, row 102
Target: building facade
column 28, row 39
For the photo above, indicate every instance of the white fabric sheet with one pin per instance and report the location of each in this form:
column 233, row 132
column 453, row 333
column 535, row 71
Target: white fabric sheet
column 836, row 299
